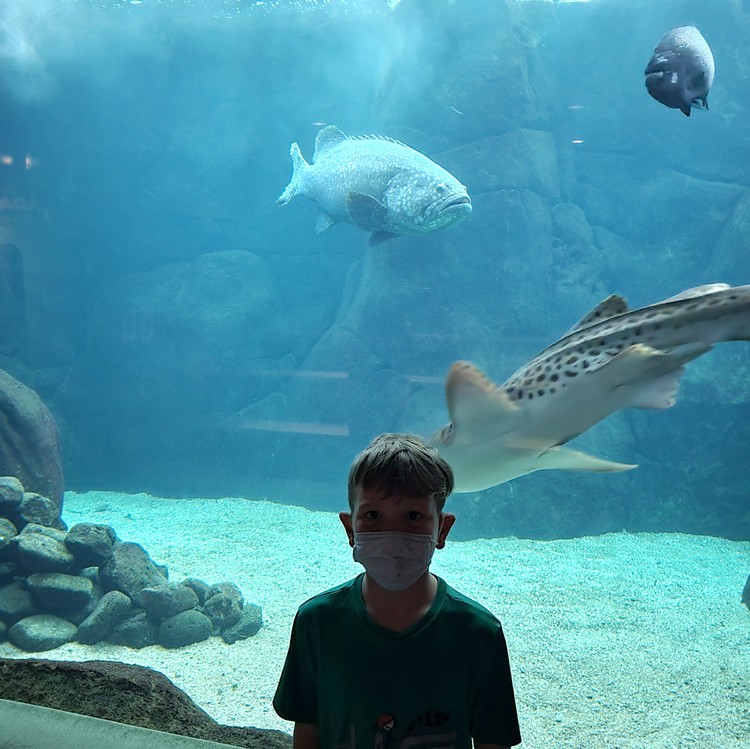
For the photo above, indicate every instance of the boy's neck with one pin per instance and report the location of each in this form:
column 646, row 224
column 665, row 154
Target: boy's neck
column 399, row 609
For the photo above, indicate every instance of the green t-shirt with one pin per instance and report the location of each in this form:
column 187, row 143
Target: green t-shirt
column 437, row 684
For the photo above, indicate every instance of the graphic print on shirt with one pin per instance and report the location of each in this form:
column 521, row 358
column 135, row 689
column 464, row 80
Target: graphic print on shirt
column 425, row 730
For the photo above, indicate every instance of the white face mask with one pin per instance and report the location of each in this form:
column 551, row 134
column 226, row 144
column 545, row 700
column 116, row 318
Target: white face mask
column 394, row 560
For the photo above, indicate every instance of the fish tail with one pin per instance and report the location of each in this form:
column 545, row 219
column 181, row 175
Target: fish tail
column 299, row 165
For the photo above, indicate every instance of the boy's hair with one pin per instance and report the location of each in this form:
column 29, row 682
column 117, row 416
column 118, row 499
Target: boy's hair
column 401, row 465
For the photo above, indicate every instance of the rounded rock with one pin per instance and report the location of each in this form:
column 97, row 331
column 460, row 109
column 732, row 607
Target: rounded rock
column 90, row 543
column 38, row 552
column 58, row 593
column 41, row 632
column 249, row 624
column 184, row 628
column 168, row 599
column 110, row 610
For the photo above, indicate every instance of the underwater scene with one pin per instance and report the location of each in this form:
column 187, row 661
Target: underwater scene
column 239, row 240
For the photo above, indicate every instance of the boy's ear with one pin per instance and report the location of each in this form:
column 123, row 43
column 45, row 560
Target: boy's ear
column 446, row 523
column 346, row 521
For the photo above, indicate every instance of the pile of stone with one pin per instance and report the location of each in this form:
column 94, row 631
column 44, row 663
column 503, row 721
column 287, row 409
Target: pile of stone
column 84, row 584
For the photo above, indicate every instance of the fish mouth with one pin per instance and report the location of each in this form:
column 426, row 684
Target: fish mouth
column 456, row 203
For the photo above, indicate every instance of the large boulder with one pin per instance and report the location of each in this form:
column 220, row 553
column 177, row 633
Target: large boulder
column 128, row 694
column 29, row 440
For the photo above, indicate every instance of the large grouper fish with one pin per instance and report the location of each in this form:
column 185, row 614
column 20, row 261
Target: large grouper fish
column 614, row 358
column 681, row 70
column 378, row 184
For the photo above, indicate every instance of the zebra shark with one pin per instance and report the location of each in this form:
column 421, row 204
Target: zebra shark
column 612, row 359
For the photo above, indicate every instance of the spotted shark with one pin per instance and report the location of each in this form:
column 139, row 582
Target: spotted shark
column 614, row 358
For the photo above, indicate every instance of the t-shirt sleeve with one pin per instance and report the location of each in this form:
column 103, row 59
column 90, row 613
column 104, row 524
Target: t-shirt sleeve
column 296, row 697
column 494, row 719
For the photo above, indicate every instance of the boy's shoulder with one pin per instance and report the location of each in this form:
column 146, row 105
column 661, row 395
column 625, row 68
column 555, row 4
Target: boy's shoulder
column 461, row 605
column 330, row 599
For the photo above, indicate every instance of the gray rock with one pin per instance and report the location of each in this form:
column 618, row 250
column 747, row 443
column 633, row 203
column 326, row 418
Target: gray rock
column 746, row 593
column 11, row 494
column 35, row 508
column 58, row 593
column 110, row 610
column 250, row 622
column 38, row 552
column 199, row 587
column 15, row 603
column 45, row 530
column 29, row 440
column 223, row 605
column 92, row 573
column 3, row 630
column 168, row 599
column 7, row 547
column 130, row 570
column 8, row 571
column 90, row 544
column 41, row 632
column 184, row 628
column 137, row 631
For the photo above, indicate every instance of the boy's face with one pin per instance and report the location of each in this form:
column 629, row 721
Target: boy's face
column 374, row 511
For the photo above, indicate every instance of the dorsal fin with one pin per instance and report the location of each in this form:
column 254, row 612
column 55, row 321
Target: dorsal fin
column 386, row 138
column 327, row 138
column 611, row 306
column 696, row 291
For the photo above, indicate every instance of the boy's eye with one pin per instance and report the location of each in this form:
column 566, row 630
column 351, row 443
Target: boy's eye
column 371, row 515
column 413, row 515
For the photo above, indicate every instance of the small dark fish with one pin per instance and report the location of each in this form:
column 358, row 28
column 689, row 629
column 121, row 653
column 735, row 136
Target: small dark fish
column 681, row 70
column 378, row 184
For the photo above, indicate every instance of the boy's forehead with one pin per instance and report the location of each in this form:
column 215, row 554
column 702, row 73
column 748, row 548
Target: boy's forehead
column 375, row 495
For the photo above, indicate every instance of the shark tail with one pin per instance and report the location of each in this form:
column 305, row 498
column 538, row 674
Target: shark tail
column 573, row 460
column 299, row 166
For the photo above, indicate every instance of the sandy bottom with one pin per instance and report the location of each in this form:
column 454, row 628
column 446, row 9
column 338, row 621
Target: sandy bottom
column 616, row 641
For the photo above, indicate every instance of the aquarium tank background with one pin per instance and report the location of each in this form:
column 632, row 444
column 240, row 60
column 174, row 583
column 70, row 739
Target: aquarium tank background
column 192, row 338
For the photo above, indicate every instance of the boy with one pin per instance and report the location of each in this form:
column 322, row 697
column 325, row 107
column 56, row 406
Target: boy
column 397, row 659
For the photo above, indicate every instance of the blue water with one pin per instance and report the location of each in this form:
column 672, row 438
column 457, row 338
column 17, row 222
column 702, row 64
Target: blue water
column 191, row 338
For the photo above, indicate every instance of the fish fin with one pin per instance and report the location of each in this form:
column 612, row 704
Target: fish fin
column 367, row 213
column 696, row 291
column 327, row 138
column 378, row 237
column 659, row 393
column 611, row 306
column 298, row 167
column 651, row 376
column 475, row 403
column 324, row 221
column 685, row 110
column 574, row 460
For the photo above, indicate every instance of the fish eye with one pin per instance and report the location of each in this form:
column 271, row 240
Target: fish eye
column 441, row 187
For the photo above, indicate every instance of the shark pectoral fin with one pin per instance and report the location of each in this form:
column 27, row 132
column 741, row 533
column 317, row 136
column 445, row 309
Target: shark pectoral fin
column 573, row 460
column 324, row 221
column 479, row 409
column 367, row 213
column 650, row 376
column 660, row 393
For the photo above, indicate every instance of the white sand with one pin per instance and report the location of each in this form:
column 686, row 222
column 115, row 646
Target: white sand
column 617, row 642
